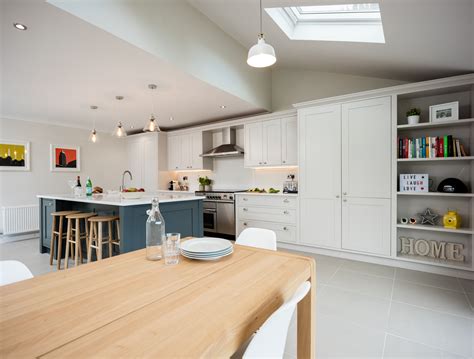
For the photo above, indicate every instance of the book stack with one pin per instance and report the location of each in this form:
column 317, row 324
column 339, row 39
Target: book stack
column 430, row 147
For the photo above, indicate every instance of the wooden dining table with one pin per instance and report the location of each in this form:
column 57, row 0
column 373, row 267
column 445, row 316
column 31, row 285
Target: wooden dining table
column 127, row 306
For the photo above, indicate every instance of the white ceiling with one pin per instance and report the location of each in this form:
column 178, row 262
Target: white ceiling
column 425, row 39
column 61, row 65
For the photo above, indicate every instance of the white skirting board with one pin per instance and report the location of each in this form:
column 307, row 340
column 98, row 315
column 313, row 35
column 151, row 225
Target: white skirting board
column 18, row 237
column 391, row 262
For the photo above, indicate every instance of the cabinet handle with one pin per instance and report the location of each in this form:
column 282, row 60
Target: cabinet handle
column 344, row 200
column 285, row 228
column 260, row 163
column 284, row 161
column 245, row 199
column 244, row 209
column 264, row 163
column 286, row 200
column 337, row 196
column 245, row 223
column 286, row 212
column 344, row 193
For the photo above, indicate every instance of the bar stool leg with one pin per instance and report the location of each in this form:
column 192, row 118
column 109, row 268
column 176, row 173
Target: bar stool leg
column 78, row 241
column 68, row 238
column 59, row 246
column 99, row 256
column 117, row 222
column 110, row 239
column 51, row 246
column 91, row 241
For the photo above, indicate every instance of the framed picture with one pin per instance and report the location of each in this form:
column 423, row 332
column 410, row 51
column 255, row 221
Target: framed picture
column 444, row 112
column 65, row 158
column 14, row 155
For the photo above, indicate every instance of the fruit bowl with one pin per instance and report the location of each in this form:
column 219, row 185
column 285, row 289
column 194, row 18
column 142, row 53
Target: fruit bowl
column 132, row 193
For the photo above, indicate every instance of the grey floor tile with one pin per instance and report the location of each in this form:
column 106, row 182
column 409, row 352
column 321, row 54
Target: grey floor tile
column 467, row 285
column 397, row 348
column 449, row 333
column 443, row 300
column 369, row 268
column 434, row 280
column 362, row 283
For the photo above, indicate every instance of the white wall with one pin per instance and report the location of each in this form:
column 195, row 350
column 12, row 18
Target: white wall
column 104, row 161
column 290, row 86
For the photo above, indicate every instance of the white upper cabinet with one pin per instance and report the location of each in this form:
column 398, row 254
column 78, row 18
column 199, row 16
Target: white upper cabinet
column 319, row 131
column 271, row 143
column 366, row 148
column 289, row 141
column 253, row 152
column 184, row 152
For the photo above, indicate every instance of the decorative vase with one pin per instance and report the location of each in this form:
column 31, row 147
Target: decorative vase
column 208, row 187
column 452, row 220
column 201, row 187
column 413, row 120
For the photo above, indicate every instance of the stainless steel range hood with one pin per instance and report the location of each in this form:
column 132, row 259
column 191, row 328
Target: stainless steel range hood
column 228, row 147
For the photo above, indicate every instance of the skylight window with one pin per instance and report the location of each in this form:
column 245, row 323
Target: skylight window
column 348, row 22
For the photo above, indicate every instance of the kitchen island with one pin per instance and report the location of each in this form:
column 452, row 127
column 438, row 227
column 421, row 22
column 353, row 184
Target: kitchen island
column 182, row 213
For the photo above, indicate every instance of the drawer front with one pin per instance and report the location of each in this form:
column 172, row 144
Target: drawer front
column 281, row 215
column 285, row 233
column 276, row 201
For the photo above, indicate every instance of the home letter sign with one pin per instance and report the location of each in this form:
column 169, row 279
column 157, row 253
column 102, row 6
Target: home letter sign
column 433, row 249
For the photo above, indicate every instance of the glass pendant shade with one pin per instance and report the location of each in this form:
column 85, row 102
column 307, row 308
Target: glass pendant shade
column 93, row 136
column 119, row 131
column 261, row 54
column 151, row 125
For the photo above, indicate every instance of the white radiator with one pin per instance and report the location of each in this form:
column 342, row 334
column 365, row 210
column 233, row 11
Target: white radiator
column 20, row 219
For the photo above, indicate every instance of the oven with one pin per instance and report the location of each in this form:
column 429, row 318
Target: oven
column 210, row 216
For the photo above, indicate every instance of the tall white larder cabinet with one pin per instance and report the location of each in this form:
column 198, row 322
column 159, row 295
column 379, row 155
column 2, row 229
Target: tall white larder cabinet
column 345, row 175
column 146, row 159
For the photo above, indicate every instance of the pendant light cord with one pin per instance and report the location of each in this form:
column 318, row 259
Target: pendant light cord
column 261, row 29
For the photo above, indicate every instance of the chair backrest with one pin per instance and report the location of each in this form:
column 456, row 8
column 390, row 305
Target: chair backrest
column 270, row 339
column 258, row 238
column 13, row 271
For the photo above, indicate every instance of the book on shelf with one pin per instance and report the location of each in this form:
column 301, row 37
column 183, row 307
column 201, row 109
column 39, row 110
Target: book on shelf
column 430, row 147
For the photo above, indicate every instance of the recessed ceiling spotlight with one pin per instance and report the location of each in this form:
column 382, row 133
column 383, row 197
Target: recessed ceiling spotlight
column 223, row 106
column 19, row 26
column 171, row 118
column 132, row 127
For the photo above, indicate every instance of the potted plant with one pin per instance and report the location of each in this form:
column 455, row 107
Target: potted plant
column 205, row 183
column 413, row 116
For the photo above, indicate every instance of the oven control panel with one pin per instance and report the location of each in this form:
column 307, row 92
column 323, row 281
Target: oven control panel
column 218, row 197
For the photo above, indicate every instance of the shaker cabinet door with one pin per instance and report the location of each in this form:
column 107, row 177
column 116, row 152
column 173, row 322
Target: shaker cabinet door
column 271, row 141
column 289, row 141
column 253, row 156
column 366, row 148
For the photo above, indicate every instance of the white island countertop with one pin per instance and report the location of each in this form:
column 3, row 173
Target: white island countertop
column 117, row 200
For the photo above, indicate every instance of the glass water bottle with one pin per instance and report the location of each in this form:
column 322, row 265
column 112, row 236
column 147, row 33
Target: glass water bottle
column 155, row 231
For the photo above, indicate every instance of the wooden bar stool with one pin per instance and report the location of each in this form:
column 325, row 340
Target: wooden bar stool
column 96, row 235
column 74, row 235
column 57, row 235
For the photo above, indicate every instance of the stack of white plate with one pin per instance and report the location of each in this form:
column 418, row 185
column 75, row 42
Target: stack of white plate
column 206, row 248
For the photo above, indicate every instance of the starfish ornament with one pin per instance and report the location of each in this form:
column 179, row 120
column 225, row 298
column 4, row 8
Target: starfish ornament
column 428, row 217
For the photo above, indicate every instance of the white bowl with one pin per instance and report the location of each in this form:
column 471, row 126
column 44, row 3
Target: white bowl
column 132, row 195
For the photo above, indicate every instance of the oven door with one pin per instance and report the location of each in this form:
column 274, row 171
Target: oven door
column 210, row 216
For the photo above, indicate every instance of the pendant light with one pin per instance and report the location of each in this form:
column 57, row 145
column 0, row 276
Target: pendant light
column 119, row 131
column 152, row 125
column 93, row 136
column 261, row 54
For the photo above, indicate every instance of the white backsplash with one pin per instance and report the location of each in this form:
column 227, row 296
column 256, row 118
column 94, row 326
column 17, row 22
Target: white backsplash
column 229, row 173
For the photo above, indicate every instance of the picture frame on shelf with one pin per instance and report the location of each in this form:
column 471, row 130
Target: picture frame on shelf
column 65, row 158
column 14, row 155
column 444, row 112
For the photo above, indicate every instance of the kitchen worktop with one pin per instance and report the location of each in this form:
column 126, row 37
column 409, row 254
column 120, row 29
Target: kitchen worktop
column 116, row 200
column 267, row 194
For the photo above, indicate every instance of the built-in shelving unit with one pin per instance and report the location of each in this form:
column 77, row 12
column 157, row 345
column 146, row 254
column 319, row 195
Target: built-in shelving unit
column 436, row 194
column 411, row 204
column 422, row 227
column 423, row 125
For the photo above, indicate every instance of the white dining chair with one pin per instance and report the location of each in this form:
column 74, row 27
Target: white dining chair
column 258, row 238
column 13, row 271
column 270, row 339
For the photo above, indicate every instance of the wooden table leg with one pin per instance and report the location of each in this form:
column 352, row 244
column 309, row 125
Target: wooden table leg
column 306, row 321
column 78, row 242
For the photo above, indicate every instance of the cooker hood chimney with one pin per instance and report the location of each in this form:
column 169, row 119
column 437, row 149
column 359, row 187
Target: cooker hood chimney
column 228, row 147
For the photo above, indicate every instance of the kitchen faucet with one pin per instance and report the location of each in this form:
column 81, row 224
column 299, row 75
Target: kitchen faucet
column 123, row 178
